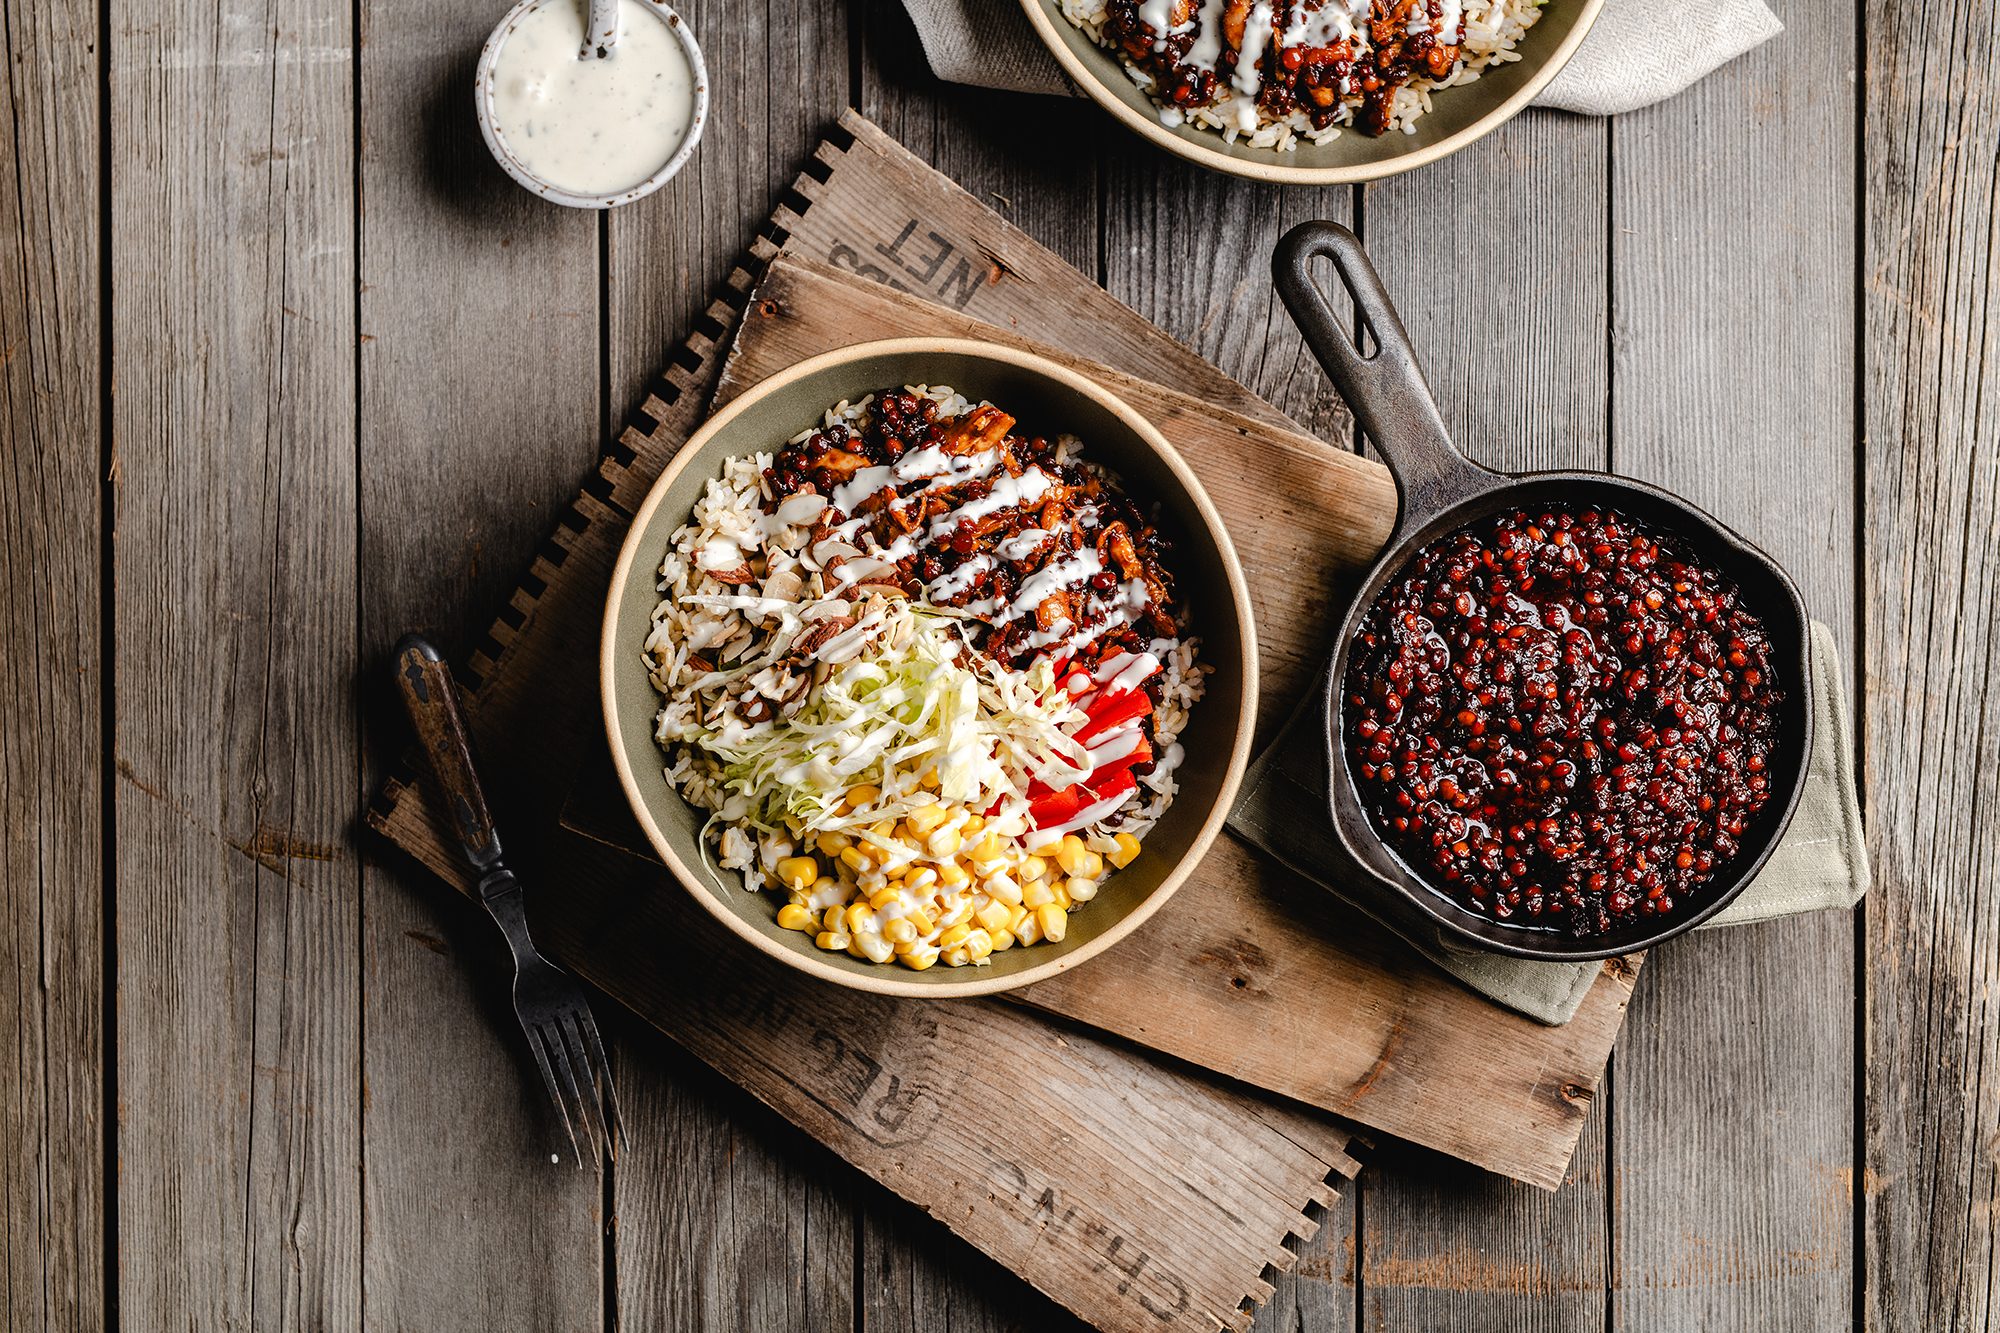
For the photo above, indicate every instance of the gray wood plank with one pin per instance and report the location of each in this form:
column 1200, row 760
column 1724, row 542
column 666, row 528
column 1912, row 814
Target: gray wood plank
column 1514, row 345
column 1733, row 216
column 479, row 407
column 238, row 1051
column 1191, row 250
column 1931, row 292
column 726, row 1220
column 52, row 930
column 1033, row 160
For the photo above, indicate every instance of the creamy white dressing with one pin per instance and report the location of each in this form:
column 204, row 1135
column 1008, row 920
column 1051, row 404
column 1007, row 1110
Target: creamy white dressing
column 1007, row 493
column 1208, row 39
column 1050, row 579
column 586, row 125
column 1023, row 543
column 1256, row 36
column 1331, row 22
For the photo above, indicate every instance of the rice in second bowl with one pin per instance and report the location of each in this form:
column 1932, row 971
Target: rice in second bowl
column 1274, row 73
column 926, row 675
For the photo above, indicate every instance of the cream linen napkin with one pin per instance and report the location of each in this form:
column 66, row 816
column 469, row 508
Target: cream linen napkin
column 1821, row 862
column 1637, row 53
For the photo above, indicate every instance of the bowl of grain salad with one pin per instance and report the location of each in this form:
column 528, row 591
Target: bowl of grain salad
column 928, row 667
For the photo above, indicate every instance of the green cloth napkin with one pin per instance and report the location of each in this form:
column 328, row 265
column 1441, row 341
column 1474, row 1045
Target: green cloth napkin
column 1821, row 863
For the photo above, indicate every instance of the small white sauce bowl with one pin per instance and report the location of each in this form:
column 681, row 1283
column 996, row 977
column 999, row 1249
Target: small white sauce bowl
column 482, row 98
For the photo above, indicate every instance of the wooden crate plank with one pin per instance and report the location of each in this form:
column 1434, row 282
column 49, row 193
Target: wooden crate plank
column 1517, row 356
column 238, row 1046
column 1732, row 250
column 52, row 928
column 1258, row 966
column 1931, row 293
column 458, row 1133
column 723, row 1222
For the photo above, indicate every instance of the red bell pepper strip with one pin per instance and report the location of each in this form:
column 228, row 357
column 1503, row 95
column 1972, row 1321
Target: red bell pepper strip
column 1056, row 808
column 1111, row 711
column 1110, row 768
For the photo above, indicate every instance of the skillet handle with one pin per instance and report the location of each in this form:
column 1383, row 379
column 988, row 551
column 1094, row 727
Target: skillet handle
column 1386, row 389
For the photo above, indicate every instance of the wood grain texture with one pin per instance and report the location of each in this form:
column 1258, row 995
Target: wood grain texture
column 1191, row 251
column 1931, row 319
column 238, row 1055
column 1251, row 973
column 736, row 1227
column 1732, row 262
column 52, row 927
column 467, row 1218
column 1520, row 367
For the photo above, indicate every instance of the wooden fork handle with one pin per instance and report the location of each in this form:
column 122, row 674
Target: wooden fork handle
column 432, row 700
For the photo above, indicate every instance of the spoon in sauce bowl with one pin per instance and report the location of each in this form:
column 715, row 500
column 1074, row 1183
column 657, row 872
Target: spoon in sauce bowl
column 591, row 103
column 603, row 33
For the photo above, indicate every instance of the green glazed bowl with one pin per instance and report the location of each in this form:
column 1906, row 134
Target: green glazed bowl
column 1457, row 117
column 1048, row 399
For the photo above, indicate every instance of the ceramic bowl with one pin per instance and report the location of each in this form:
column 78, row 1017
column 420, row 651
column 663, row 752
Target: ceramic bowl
column 1458, row 116
column 1048, row 399
column 496, row 142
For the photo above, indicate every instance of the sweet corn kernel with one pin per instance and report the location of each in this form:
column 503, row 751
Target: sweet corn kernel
column 1128, row 849
column 832, row 844
column 952, row 874
column 954, row 936
column 978, row 944
column 929, row 780
column 899, row 931
column 859, row 915
column 834, row 916
column 1009, row 825
column 797, row 872
column 855, row 859
column 993, row 916
column 972, row 824
column 876, row 949
column 1002, row 940
column 1032, row 867
column 854, row 946
column 1059, row 893
column 882, row 828
column 1003, row 888
column 864, row 795
column 918, row 958
column 924, row 820
column 955, row 957
column 1037, row 894
column 921, row 919
column 794, row 917
column 1071, row 853
column 1029, row 931
column 1093, row 866
column 871, row 881
column 921, row 880
column 1080, row 890
column 1046, row 847
column 832, row 941
column 988, row 848
column 1020, row 914
column 943, row 843
column 1053, row 921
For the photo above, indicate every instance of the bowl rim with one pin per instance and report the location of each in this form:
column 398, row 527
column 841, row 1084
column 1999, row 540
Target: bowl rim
column 1212, row 157
column 610, row 649
column 496, row 143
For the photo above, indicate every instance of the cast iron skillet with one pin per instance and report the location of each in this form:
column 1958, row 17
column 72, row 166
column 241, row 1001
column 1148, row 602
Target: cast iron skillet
column 1440, row 490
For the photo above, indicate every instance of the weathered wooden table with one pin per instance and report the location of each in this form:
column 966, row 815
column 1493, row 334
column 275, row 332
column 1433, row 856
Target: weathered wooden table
column 290, row 367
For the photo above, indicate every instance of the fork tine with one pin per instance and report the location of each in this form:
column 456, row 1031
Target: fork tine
column 592, row 1106
column 552, row 1033
column 586, row 1025
column 535, row 1044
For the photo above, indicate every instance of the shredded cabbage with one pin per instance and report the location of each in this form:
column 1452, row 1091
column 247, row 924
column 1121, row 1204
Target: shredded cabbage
column 917, row 698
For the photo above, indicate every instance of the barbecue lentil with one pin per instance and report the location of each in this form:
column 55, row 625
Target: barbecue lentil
column 1562, row 719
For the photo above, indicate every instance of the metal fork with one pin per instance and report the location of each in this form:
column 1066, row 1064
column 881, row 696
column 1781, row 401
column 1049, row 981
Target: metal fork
column 547, row 1000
